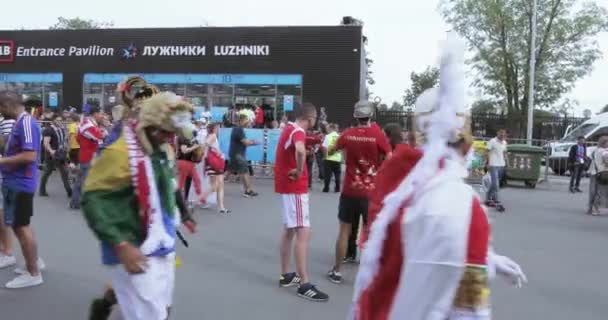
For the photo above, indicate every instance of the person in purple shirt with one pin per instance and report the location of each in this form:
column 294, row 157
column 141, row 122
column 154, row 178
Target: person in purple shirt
column 20, row 174
column 577, row 161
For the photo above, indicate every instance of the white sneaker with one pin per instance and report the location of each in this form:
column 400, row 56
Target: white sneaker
column 7, row 261
column 22, row 269
column 24, row 281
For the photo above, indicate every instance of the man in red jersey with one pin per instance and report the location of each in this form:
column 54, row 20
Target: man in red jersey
column 90, row 137
column 291, row 182
column 364, row 146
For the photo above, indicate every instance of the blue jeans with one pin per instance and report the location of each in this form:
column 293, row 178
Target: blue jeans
column 77, row 189
column 496, row 174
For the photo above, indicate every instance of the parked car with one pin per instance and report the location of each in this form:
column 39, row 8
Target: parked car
column 591, row 129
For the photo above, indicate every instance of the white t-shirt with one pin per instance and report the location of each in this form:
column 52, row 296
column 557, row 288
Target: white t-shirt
column 6, row 126
column 201, row 135
column 497, row 150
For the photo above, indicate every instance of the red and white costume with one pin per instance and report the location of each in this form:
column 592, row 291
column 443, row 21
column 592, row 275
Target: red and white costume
column 428, row 255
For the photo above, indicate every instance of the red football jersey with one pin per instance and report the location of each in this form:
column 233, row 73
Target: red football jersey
column 364, row 147
column 286, row 161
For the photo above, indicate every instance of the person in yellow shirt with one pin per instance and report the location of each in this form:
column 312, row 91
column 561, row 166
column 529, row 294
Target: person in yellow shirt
column 333, row 162
column 74, row 147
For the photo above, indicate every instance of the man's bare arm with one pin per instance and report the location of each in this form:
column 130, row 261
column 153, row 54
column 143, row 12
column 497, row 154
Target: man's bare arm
column 300, row 157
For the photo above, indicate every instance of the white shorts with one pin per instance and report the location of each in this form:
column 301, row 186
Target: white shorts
column 295, row 211
column 145, row 296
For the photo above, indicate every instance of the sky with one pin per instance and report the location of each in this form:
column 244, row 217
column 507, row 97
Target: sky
column 404, row 35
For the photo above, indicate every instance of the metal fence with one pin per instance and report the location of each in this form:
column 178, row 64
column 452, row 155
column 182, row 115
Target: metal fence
column 486, row 125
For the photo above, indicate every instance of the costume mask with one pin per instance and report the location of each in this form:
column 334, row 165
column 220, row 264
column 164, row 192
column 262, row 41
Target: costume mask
column 165, row 111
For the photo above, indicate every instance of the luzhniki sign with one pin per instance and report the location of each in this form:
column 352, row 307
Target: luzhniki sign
column 9, row 51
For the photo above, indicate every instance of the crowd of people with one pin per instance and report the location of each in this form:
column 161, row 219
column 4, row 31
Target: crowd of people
column 118, row 169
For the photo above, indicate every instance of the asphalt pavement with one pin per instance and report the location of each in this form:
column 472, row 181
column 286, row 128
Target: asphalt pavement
column 231, row 269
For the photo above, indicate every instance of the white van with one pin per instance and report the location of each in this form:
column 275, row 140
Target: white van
column 591, row 129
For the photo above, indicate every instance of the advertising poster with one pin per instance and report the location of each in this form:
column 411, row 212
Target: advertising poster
column 273, row 141
column 217, row 113
column 224, row 140
column 256, row 152
column 287, row 103
column 53, row 99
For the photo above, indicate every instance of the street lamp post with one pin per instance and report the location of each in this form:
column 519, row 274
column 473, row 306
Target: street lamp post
column 532, row 67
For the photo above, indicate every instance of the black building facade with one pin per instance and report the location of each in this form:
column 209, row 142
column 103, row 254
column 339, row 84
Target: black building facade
column 280, row 67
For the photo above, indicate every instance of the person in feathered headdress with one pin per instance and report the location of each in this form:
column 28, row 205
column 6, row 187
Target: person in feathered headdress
column 132, row 205
column 428, row 254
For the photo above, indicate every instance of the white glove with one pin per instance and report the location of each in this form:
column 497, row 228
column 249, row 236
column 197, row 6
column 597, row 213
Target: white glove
column 507, row 268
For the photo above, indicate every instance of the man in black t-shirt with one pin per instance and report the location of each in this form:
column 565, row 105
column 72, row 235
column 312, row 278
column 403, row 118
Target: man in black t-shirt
column 55, row 144
column 238, row 162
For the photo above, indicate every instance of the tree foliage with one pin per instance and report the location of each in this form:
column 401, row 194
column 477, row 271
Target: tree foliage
column 499, row 34
column 484, row 106
column 420, row 82
column 78, row 24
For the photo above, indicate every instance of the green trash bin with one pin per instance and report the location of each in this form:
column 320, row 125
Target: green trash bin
column 524, row 163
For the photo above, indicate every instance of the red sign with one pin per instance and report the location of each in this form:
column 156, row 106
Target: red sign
column 7, row 51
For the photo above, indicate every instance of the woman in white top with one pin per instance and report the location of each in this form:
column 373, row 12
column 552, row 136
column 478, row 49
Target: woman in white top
column 598, row 186
column 216, row 179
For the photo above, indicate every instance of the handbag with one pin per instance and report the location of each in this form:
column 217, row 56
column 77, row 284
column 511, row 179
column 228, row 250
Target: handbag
column 601, row 178
column 215, row 161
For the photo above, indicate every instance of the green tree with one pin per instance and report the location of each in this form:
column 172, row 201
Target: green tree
column 78, row 23
column 420, row 82
column 499, row 34
column 484, row 106
column 396, row 106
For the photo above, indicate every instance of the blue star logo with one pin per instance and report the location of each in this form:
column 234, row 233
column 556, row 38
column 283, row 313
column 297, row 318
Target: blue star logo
column 130, row 52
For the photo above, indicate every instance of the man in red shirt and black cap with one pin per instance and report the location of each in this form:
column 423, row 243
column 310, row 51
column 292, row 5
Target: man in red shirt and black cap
column 365, row 147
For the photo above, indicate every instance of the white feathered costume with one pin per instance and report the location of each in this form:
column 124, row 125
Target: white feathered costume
column 445, row 231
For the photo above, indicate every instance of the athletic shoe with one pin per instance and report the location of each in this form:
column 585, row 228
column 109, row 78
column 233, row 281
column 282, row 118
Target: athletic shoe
column 349, row 260
column 253, row 194
column 22, row 270
column 225, row 211
column 310, row 292
column 246, row 195
column 334, row 276
column 24, row 281
column 289, row 280
column 7, row 261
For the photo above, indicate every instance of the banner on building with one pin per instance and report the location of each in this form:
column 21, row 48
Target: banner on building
column 255, row 152
column 271, row 148
column 217, row 113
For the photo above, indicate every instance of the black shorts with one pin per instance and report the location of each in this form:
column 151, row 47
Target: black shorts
column 238, row 164
column 18, row 207
column 351, row 208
